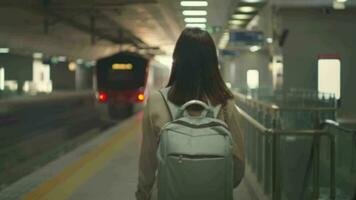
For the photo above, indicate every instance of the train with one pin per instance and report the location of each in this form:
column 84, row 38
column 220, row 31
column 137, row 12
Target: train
column 123, row 81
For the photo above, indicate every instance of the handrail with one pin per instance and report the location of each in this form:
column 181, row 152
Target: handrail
column 254, row 122
column 288, row 91
column 274, row 107
column 269, row 131
column 307, row 109
column 321, row 128
column 335, row 124
column 264, row 105
column 275, row 133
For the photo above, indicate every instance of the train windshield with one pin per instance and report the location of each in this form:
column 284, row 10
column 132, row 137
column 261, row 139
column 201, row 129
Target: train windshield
column 125, row 72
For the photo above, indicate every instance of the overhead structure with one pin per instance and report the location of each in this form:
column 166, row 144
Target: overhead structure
column 95, row 25
column 244, row 12
column 90, row 29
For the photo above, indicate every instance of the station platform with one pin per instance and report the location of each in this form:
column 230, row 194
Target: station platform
column 104, row 168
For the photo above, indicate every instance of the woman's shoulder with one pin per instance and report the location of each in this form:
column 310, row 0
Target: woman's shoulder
column 231, row 108
column 154, row 96
column 157, row 110
column 155, row 100
column 230, row 103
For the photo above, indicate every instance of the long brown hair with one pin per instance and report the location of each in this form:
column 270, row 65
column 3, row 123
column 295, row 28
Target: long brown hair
column 195, row 73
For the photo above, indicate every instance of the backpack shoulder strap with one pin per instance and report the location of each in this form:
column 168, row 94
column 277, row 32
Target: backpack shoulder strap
column 216, row 110
column 172, row 108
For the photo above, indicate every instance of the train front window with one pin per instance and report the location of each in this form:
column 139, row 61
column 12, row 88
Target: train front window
column 114, row 76
column 121, row 77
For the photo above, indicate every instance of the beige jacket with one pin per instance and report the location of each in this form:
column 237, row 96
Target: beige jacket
column 156, row 115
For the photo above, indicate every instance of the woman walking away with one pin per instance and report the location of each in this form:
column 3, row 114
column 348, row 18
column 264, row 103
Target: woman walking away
column 192, row 144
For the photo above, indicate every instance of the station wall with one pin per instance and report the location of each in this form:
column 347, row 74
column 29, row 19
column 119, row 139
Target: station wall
column 313, row 32
column 254, row 60
column 235, row 68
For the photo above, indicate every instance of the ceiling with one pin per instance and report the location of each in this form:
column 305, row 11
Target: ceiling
column 91, row 29
column 308, row 3
column 86, row 29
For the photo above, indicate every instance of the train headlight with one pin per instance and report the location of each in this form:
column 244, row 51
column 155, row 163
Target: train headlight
column 102, row 97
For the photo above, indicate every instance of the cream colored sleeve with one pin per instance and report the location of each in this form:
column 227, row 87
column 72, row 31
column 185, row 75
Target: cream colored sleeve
column 233, row 121
column 148, row 160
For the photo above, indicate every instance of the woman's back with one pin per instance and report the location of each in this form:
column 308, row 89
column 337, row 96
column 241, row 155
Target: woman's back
column 195, row 75
column 156, row 115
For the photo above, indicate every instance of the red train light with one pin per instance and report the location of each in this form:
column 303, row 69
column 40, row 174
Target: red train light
column 140, row 97
column 102, row 97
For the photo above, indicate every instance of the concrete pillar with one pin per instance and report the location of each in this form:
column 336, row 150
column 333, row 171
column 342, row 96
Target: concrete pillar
column 83, row 77
column 62, row 78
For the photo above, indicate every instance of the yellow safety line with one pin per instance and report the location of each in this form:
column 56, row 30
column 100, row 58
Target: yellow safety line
column 65, row 183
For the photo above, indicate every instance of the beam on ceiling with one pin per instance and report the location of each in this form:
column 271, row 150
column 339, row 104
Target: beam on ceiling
column 82, row 27
column 73, row 4
column 89, row 28
column 135, row 40
column 125, row 36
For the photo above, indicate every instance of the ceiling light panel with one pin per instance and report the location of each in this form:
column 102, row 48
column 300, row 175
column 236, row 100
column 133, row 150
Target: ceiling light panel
column 194, row 3
column 253, row 1
column 195, row 20
column 195, row 12
column 4, row 50
column 242, row 16
column 236, row 22
column 202, row 26
column 247, row 9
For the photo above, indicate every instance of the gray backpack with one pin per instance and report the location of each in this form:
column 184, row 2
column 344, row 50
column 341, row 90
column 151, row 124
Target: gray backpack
column 194, row 155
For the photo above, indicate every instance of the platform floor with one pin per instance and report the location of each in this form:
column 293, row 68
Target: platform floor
column 105, row 168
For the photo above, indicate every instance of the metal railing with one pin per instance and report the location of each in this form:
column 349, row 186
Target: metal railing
column 266, row 112
column 344, row 155
column 292, row 96
column 266, row 141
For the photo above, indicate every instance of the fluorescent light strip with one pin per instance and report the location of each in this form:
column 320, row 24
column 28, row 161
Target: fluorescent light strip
column 195, row 20
column 202, row 26
column 247, row 9
column 194, row 3
column 242, row 16
column 4, row 50
column 195, row 12
column 252, row 1
column 236, row 22
column 2, row 78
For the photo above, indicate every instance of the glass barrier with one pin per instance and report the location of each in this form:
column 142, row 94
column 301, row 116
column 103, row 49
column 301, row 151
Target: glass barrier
column 291, row 97
column 344, row 142
column 295, row 156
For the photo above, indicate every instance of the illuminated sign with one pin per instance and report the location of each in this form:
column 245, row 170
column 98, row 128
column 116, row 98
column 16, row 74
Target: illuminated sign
column 122, row 66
